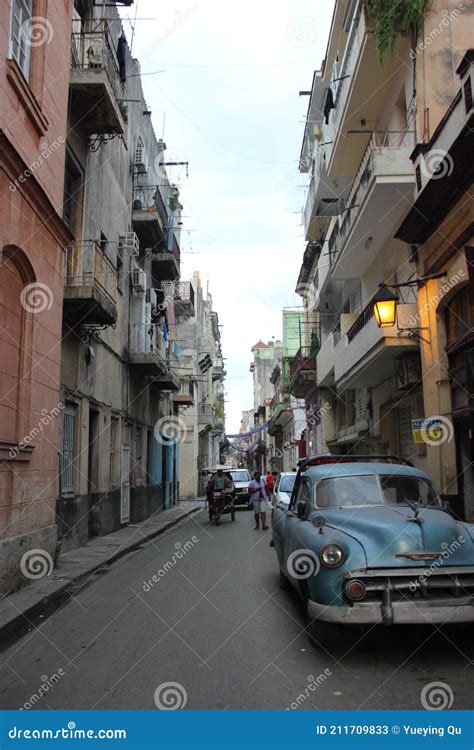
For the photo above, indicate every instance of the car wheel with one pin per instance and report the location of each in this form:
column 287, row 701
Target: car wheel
column 284, row 582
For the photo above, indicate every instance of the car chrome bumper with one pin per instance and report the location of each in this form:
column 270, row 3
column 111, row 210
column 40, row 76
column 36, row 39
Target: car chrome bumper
column 434, row 612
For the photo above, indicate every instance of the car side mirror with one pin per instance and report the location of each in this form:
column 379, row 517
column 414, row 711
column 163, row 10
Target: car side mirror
column 301, row 509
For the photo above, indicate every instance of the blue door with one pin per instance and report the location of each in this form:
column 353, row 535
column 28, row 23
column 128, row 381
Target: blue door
column 154, row 459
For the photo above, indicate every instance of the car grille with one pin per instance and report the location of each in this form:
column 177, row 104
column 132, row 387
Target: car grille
column 416, row 584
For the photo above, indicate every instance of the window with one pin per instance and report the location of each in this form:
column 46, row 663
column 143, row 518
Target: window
column 240, row 476
column 305, row 491
column 114, row 451
column 139, row 155
column 120, row 270
column 405, row 490
column 286, row 484
column 370, row 489
column 69, row 448
column 19, row 33
column 72, row 196
column 16, row 329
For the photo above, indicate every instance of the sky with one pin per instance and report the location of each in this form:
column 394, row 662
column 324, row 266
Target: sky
column 228, row 103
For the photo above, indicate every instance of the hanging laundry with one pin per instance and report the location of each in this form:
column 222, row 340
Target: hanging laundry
column 328, row 105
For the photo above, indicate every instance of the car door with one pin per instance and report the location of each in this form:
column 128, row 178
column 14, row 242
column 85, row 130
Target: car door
column 279, row 517
column 298, row 530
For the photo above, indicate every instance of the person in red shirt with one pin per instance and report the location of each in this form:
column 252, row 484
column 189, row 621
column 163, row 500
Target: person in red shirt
column 269, row 480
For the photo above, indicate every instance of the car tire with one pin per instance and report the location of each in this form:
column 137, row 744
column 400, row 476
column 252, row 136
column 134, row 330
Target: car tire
column 284, row 582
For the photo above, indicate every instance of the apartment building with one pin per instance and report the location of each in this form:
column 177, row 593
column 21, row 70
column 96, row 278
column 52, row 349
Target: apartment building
column 287, row 420
column 119, row 358
column 34, row 85
column 440, row 228
column 202, row 422
column 365, row 117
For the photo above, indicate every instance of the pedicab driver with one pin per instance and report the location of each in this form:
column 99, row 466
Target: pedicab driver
column 259, row 498
column 220, row 482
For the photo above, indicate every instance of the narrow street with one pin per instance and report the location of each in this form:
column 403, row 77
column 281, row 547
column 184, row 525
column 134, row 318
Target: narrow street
column 216, row 623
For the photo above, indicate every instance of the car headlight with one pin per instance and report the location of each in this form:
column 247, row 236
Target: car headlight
column 332, row 555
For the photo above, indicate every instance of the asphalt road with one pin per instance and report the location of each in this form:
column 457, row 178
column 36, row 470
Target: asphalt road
column 217, row 624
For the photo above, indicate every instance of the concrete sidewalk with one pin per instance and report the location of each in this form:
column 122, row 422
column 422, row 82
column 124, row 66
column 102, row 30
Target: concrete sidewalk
column 77, row 565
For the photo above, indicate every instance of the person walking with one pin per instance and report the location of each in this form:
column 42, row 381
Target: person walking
column 269, row 481
column 259, row 498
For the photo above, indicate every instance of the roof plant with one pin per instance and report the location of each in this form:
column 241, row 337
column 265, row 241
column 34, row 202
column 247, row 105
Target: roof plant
column 389, row 17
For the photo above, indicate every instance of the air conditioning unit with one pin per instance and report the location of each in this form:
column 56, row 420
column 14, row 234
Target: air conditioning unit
column 138, row 278
column 129, row 242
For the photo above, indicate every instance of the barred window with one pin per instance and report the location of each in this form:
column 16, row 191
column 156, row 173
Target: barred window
column 69, row 448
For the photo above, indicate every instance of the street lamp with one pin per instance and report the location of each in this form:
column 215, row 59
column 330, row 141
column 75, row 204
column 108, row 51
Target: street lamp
column 384, row 301
column 385, row 306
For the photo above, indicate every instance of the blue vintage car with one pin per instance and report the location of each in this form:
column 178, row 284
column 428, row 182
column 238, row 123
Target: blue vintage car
column 366, row 543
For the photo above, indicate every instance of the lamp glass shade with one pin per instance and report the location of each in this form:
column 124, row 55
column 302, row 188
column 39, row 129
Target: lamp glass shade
column 385, row 307
column 385, row 313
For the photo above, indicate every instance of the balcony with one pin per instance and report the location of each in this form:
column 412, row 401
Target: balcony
column 303, row 372
column 181, row 293
column 205, row 417
column 90, row 294
column 155, row 224
column 325, row 357
column 184, row 299
column 365, row 354
column 147, row 350
column 324, row 199
column 360, row 94
column 185, row 395
column 149, row 216
column 95, row 82
column 281, row 411
column 167, row 379
column 382, row 189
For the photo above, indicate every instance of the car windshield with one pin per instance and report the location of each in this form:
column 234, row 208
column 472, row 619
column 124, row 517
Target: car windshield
column 286, row 483
column 240, row 476
column 374, row 489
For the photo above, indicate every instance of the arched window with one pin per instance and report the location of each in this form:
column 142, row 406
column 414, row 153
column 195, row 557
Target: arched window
column 15, row 347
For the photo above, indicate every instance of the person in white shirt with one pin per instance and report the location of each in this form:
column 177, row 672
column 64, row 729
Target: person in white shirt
column 259, row 498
